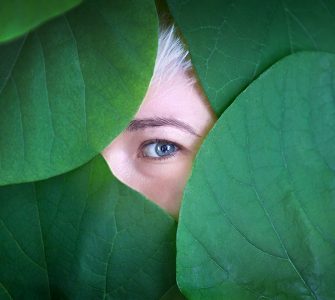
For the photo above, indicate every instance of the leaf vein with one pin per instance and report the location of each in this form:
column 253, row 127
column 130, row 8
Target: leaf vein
column 67, row 22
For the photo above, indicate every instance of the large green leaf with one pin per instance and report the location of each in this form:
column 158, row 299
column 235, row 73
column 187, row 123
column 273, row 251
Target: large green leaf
column 19, row 16
column 68, row 88
column 257, row 219
column 83, row 235
column 233, row 41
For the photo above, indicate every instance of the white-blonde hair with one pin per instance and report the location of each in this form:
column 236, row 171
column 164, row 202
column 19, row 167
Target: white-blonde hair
column 172, row 57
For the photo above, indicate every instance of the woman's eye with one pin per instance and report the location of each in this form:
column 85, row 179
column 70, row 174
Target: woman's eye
column 159, row 149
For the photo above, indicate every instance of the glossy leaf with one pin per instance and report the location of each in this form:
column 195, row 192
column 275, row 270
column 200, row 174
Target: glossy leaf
column 257, row 220
column 68, row 88
column 232, row 42
column 83, row 235
column 19, row 16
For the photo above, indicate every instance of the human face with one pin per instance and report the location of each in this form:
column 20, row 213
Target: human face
column 154, row 154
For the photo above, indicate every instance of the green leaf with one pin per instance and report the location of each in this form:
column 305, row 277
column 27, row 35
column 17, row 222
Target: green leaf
column 173, row 294
column 232, row 42
column 83, row 235
column 68, row 88
column 257, row 220
column 20, row 16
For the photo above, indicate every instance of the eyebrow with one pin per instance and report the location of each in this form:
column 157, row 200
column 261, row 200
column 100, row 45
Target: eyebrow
column 138, row 124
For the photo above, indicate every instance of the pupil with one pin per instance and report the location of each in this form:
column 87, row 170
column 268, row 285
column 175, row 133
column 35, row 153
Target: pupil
column 164, row 148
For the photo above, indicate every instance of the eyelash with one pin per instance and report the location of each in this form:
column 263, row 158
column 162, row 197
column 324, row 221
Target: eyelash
column 152, row 141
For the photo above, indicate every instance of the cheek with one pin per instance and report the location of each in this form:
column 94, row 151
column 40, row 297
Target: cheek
column 164, row 183
column 118, row 160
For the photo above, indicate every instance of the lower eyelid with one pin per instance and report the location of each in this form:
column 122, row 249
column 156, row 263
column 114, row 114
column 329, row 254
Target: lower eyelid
column 160, row 158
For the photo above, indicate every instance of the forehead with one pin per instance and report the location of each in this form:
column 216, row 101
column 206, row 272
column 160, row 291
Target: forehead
column 175, row 98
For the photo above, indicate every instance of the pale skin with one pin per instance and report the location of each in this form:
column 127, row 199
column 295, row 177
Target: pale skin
column 154, row 154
